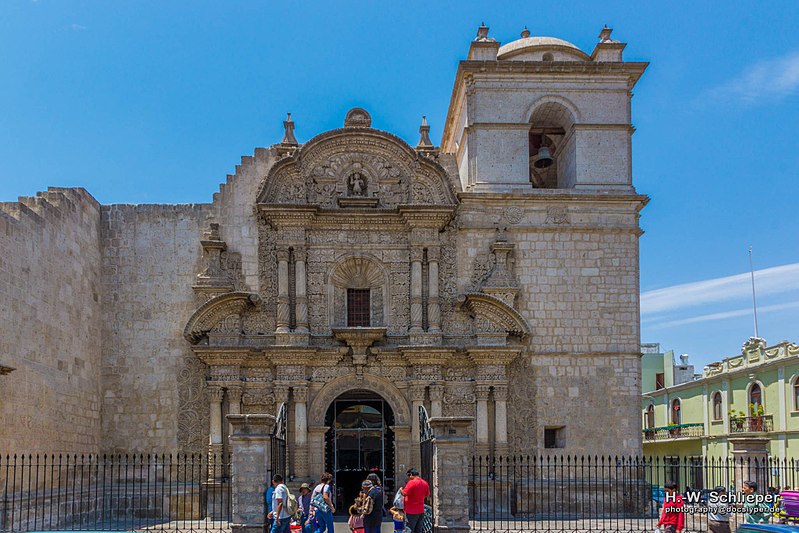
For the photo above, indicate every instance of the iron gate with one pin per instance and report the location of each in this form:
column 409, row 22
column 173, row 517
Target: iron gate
column 279, row 464
column 427, row 468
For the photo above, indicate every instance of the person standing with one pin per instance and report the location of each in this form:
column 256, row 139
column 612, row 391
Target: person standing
column 718, row 518
column 374, row 518
column 415, row 491
column 754, row 512
column 281, row 521
column 268, row 501
column 673, row 517
column 322, row 501
column 304, row 503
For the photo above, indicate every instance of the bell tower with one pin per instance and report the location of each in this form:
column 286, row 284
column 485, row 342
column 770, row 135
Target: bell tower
column 539, row 113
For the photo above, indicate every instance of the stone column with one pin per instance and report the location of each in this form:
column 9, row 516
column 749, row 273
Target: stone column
column 450, row 485
column 417, row 401
column 301, row 432
column 433, row 306
column 750, row 456
column 215, row 395
column 482, row 391
column 436, row 399
column 316, row 451
column 300, row 284
column 501, row 419
column 234, row 393
column 283, row 310
column 416, row 290
column 250, row 448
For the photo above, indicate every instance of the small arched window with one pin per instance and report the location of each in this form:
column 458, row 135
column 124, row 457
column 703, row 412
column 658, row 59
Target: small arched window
column 717, row 406
column 676, row 413
column 650, row 416
column 796, row 394
column 755, row 398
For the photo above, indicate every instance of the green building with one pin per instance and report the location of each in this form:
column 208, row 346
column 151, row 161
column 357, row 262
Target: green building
column 754, row 394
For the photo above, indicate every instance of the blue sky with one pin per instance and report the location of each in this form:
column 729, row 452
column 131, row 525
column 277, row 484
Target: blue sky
column 155, row 102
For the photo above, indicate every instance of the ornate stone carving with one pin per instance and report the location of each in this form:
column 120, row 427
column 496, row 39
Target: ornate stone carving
column 258, row 397
column 216, row 309
column 557, row 214
column 327, row 373
column 258, row 374
column 522, row 411
column 514, row 214
column 492, row 315
column 193, row 406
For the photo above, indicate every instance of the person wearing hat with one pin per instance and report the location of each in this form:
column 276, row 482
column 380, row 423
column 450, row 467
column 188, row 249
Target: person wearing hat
column 304, row 503
column 718, row 517
column 415, row 491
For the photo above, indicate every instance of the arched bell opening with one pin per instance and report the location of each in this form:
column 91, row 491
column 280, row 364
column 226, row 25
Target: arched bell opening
column 551, row 147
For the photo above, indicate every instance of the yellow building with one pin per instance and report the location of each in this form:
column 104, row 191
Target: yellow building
column 751, row 395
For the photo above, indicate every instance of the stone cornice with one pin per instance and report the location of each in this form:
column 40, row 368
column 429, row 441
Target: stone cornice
column 426, row 355
column 537, row 196
column 399, row 219
column 493, row 355
column 632, row 71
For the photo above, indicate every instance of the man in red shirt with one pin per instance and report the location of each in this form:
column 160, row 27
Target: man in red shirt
column 415, row 491
column 673, row 517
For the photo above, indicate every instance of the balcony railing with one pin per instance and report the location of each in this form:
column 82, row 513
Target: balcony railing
column 751, row 424
column 674, row 432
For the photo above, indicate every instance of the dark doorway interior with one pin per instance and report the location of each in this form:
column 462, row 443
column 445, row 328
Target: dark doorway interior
column 359, row 442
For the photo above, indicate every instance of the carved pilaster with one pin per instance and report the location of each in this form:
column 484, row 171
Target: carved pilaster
column 416, row 290
column 501, row 416
column 283, row 303
column 417, row 392
column 433, row 305
column 301, row 431
column 482, row 392
column 436, row 399
column 300, row 281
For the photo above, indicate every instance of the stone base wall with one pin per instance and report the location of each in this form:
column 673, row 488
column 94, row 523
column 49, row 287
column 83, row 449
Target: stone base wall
column 50, row 292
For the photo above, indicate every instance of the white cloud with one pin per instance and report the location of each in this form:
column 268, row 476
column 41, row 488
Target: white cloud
column 766, row 79
column 722, row 315
column 78, row 27
column 767, row 281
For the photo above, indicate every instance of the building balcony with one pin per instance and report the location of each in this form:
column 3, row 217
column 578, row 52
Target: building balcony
column 752, row 424
column 679, row 431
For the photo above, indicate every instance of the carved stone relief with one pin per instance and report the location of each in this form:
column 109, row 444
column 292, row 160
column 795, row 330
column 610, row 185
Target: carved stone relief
column 193, row 406
column 522, row 408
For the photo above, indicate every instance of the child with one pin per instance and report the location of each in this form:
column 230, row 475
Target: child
column 356, row 520
column 399, row 519
column 673, row 517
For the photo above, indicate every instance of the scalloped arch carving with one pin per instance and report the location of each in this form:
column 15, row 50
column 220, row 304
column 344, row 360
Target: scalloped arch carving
column 346, row 383
column 490, row 310
column 359, row 271
column 218, row 309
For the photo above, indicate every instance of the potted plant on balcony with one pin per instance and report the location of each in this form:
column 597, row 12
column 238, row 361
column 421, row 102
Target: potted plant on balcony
column 756, row 421
column 737, row 419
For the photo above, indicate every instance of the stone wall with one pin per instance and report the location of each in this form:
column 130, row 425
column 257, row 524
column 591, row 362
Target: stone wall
column 576, row 262
column 50, row 292
column 154, row 393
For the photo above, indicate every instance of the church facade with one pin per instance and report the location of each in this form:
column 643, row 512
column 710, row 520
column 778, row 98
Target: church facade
column 346, row 282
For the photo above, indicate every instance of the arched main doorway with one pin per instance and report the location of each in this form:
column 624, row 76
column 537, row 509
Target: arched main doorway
column 359, row 442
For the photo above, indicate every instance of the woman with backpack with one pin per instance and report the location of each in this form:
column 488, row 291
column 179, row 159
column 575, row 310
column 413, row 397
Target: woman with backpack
column 322, row 502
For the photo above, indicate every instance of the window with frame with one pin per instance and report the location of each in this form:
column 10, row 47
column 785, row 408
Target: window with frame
column 358, row 308
column 553, row 437
column 796, row 394
column 660, row 381
column 676, row 414
column 717, row 406
column 650, row 416
column 756, row 396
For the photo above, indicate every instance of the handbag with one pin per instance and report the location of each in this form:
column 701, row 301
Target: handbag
column 318, row 501
column 399, row 501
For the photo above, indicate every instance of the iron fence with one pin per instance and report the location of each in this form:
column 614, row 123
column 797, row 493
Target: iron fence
column 114, row 492
column 611, row 494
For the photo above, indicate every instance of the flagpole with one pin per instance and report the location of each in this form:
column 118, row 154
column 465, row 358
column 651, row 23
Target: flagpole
column 754, row 300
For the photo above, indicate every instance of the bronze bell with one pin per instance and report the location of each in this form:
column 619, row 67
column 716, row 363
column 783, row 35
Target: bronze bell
column 544, row 159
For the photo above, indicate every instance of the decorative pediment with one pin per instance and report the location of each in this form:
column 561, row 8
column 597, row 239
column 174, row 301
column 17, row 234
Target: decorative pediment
column 357, row 166
column 492, row 315
column 223, row 309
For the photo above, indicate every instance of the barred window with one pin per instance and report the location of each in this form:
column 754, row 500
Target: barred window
column 358, row 307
